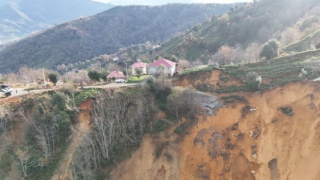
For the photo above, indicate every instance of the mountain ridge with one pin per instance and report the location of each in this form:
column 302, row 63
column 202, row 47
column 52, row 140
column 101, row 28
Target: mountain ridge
column 105, row 32
column 19, row 19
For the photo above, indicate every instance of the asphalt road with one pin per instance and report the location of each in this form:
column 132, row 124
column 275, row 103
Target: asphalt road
column 112, row 85
column 20, row 91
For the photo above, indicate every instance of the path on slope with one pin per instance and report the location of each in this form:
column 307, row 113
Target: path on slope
column 83, row 128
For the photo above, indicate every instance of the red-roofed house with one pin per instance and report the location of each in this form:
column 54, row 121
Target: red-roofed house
column 116, row 75
column 139, row 65
column 169, row 67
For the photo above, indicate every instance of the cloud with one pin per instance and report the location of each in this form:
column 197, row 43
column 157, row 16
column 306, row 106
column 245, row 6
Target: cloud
column 160, row 2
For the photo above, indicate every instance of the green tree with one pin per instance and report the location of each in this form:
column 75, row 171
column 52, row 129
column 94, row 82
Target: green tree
column 104, row 75
column 94, row 75
column 270, row 49
column 53, row 78
column 253, row 80
column 138, row 72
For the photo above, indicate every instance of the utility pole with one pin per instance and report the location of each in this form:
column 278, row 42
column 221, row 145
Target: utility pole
column 67, row 74
column 126, row 69
column 44, row 78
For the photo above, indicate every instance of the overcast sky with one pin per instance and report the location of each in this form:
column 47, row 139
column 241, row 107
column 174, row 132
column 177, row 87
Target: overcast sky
column 159, row 2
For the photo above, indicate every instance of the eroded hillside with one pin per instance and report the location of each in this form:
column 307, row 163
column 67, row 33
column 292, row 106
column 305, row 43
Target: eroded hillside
column 158, row 132
column 240, row 142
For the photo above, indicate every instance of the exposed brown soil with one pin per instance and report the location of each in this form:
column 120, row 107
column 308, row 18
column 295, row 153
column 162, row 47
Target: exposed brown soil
column 78, row 134
column 265, row 144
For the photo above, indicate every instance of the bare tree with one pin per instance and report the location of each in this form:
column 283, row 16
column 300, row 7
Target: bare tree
column 183, row 64
column 46, row 123
column 197, row 63
column 114, row 67
column 120, row 118
column 225, row 55
column 252, row 53
column 183, row 101
column 238, row 54
column 5, row 119
column 289, row 35
column 24, row 160
column 12, row 78
column 28, row 75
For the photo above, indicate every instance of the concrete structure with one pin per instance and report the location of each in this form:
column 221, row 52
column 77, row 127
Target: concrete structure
column 139, row 65
column 169, row 67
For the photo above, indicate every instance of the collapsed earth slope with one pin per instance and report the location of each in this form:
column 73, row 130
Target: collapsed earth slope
column 260, row 142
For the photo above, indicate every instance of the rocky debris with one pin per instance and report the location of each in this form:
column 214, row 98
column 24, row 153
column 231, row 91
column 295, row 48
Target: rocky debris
column 204, row 176
column 245, row 110
column 254, row 134
column 287, row 110
column 254, row 155
column 213, row 148
column 252, row 109
column 209, row 103
column 253, row 146
column 198, row 140
column 235, row 126
column 202, row 172
column 239, row 136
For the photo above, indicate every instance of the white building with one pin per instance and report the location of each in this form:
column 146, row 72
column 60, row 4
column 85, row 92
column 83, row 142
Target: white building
column 139, row 65
column 169, row 67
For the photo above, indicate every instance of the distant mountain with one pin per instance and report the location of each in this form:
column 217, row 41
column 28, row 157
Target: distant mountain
column 105, row 33
column 19, row 18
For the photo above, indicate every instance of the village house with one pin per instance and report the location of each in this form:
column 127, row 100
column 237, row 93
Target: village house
column 139, row 65
column 116, row 75
column 169, row 67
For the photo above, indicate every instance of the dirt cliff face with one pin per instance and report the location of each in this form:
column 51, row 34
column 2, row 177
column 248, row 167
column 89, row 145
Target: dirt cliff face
column 260, row 142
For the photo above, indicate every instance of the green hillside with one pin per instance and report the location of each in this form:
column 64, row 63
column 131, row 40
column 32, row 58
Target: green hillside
column 254, row 23
column 105, row 33
column 304, row 44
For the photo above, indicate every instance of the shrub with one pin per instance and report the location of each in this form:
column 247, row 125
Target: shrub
column 160, row 147
column 181, row 129
column 270, row 49
column 53, row 78
column 253, row 80
column 160, row 125
column 223, row 78
column 60, row 100
column 233, row 98
column 232, row 88
column 287, row 110
column 94, row 75
column 85, row 94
